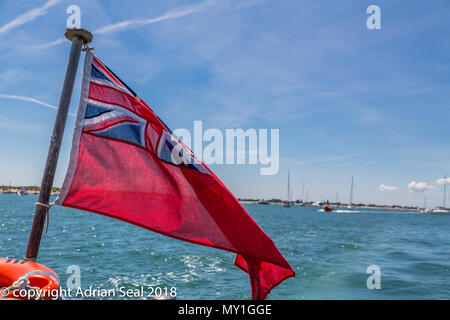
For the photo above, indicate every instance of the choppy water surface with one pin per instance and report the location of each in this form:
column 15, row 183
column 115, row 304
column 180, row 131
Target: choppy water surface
column 329, row 252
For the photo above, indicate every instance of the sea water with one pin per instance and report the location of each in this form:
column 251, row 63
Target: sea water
column 330, row 253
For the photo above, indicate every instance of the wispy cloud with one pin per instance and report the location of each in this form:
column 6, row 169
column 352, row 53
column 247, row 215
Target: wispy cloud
column 384, row 187
column 442, row 181
column 13, row 76
column 51, row 44
column 14, row 125
column 28, row 16
column 370, row 116
column 172, row 14
column 138, row 23
column 327, row 159
column 28, row 99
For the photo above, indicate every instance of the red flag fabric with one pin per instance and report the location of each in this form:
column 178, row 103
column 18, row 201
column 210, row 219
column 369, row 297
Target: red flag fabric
column 126, row 164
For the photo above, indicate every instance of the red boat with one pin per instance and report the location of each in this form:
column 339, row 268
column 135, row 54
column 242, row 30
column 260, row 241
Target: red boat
column 328, row 208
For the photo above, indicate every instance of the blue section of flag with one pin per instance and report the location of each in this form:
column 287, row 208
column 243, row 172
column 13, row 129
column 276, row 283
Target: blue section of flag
column 95, row 73
column 93, row 111
column 126, row 132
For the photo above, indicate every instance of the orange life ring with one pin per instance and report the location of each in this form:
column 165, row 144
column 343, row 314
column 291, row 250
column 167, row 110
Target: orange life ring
column 37, row 274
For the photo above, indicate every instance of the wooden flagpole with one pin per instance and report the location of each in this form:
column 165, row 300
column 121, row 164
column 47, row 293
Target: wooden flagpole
column 78, row 37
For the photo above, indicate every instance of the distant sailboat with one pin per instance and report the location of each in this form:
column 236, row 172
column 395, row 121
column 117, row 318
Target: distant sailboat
column 288, row 203
column 9, row 190
column 307, row 203
column 425, row 209
column 303, row 194
column 443, row 209
column 301, row 203
column 350, row 200
column 445, row 191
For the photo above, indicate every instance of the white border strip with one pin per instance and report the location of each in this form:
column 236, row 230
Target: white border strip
column 115, row 111
column 78, row 129
column 110, row 84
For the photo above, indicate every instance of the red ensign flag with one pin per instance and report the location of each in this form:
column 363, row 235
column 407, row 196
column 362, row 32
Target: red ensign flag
column 126, row 164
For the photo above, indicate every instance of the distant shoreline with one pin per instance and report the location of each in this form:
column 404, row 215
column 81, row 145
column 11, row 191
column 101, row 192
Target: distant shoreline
column 337, row 205
column 29, row 189
column 35, row 190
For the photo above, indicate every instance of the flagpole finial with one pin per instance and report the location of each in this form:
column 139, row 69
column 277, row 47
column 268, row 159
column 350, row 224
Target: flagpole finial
column 83, row 34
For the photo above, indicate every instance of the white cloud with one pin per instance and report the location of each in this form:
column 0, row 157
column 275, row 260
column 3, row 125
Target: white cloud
column 442, row 181
column 51, row 44
column 384, row 187
column 28, row 16
column 137, row 23
column 419, row 186
column 28, row 99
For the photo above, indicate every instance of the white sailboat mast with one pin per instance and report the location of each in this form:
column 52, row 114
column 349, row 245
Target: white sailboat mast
column 289, row 189
column 350, row 200
column 303, row 191
column 445, row 191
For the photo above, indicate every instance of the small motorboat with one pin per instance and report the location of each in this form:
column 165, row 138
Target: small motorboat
column 22, row 192
column 328, row 208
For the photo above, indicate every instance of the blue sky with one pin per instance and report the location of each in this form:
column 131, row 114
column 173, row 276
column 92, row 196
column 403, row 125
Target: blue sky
column 348, row 101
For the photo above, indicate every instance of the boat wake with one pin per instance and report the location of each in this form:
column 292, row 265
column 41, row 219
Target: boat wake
column 340, row 211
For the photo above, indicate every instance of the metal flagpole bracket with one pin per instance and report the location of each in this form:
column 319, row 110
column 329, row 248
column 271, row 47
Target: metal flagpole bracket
column 87, row 49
